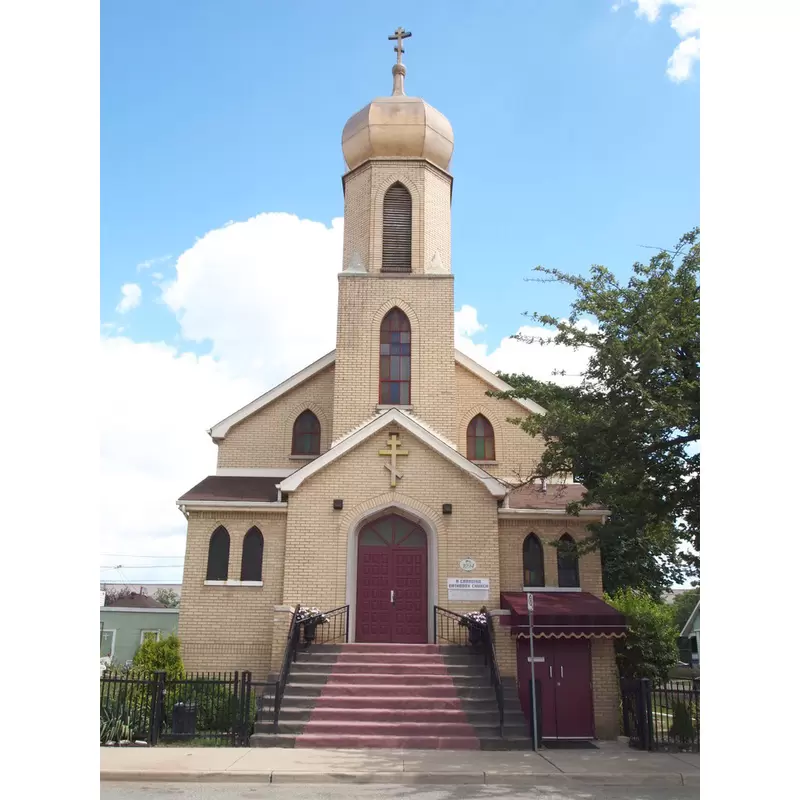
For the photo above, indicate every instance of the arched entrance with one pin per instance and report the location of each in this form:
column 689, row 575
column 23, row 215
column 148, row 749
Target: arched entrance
column 392, row 581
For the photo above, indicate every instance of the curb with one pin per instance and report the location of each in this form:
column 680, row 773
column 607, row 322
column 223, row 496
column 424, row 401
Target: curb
column 541, row 780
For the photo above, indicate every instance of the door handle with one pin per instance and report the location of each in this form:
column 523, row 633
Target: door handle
column 551, row 672
column 391, row 596
column 562, row 671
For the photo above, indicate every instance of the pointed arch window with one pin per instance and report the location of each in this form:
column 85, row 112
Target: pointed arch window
column 532, row 561
column 568, row 563
column 480, row 439
column 219, row 549
column 396, row 229
column 252, row 555
column 305, row 435
column 395, row 359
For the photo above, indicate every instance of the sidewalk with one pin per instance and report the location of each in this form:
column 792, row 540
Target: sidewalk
column 611, row 764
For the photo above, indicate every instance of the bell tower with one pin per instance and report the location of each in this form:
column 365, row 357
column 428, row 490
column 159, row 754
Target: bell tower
column 396, row 259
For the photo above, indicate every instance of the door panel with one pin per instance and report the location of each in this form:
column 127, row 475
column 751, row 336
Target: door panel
column 573, row 688
column 392, row 557
column 543, row 648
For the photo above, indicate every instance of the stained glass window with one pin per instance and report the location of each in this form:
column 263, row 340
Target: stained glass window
column 252, row 555
column 218, row 553
column 568, row 562
column 305, row 435
column 532, row 561
column 480, row 439
column 395, row 359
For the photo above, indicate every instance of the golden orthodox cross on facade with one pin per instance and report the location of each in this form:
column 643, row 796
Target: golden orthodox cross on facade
column 399, row 35
column 394, row 444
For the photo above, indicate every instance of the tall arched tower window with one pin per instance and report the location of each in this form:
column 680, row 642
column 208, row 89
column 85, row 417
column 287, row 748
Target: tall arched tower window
column 219, row 549
column 568, row 563
column 252, row 555
column 305, row 435
column 480, row 439
column 532, row 561
column 396, row 229
column 395, row 360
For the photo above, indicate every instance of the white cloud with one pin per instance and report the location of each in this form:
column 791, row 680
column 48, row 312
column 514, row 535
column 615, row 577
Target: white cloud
column 685, row 22
column 131, row 297
column 151, row 261
column 679, row 66
column 263, row 292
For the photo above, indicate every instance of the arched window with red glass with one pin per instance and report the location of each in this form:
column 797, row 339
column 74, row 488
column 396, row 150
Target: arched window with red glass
column 305, row 435
column 395, row 360
column 480, row 439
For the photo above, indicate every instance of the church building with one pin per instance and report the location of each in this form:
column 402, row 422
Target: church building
column 382, row 478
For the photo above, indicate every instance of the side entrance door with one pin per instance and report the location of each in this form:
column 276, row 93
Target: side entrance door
column 392, row 582
column 565, row 677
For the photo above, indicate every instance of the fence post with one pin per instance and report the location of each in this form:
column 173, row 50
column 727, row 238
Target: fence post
column 648, row 713
column 243, row 726
column 158, row 685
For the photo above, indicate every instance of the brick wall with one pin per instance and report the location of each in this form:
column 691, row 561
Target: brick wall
column 230, row 627
column 364, row 300
column 517, row 453
column 264, row 439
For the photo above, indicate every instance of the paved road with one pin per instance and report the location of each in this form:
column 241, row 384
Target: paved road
column 242, row 791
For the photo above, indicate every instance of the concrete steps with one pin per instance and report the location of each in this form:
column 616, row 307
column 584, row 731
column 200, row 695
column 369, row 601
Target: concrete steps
column 390, row 696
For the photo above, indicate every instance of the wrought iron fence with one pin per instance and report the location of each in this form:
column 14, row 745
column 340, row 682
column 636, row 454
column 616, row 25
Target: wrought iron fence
column 334, row 629
column 661, row 716
column 207, row 708
column 451, row 627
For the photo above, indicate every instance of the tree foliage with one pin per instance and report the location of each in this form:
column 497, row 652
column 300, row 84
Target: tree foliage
column 167, row 597
column 164, row 654
column 649, row 650
column 630, row 431
column 683, row 605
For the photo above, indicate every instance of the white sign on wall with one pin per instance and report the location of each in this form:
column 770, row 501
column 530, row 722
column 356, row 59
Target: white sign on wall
column 467, row 565
column 475, row 589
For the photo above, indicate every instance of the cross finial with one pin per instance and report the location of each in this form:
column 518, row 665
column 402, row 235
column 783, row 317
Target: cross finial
column 399, row 35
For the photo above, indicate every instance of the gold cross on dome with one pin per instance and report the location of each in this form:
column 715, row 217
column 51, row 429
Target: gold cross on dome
column 399, row 35
column 393, row 451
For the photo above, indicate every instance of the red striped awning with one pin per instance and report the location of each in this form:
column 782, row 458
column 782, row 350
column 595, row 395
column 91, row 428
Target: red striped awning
column 558, row 615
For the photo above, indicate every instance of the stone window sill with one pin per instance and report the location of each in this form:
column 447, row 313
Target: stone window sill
column 303, row 458
column 233, row 583
column 393, row 405
column 486, row 463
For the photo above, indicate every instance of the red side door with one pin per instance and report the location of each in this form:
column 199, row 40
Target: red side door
column 572, row 676
column 543, row 671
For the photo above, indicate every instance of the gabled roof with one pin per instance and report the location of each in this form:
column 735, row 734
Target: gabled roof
column 424, row 433
column 225, row 488
column 501, row 386
column 220, row 430
column 687, row 628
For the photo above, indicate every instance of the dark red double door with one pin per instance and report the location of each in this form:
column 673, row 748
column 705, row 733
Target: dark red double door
column 392, row 582
column 565, row 676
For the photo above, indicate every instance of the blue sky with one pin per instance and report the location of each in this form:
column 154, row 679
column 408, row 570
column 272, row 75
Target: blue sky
column 573, row 146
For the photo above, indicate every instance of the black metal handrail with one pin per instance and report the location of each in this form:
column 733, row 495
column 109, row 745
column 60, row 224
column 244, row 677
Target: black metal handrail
column 494, row 671
column 289, row 656
column 461, row 630
column 334, row 629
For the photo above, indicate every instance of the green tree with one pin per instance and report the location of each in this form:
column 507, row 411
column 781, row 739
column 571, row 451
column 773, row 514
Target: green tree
column 683, row 605
column 160, row 655
column 630, row 431
column 167, row 597
column 649, row 650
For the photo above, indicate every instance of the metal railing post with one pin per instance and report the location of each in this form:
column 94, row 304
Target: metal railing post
column 157, row 708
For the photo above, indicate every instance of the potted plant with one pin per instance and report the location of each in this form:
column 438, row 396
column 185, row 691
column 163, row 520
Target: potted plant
column 309, row 618
column 475, row 622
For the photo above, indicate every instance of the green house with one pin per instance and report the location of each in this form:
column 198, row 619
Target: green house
column 122, row 630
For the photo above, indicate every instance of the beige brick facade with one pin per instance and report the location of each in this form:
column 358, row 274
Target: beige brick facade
column 264, row 439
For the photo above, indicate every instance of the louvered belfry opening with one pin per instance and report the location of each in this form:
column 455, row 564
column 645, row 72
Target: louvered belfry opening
column 396, row 229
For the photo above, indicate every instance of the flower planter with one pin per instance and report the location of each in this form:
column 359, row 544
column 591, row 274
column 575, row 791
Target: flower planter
column 474, row 635
column 309, row 632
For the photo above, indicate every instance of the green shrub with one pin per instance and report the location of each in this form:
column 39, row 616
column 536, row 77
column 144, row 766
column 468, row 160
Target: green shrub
column 154, row 656
column 649, row 650
column 682, row 729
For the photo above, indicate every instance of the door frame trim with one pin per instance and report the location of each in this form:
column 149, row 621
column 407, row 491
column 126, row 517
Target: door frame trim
column 413, row 515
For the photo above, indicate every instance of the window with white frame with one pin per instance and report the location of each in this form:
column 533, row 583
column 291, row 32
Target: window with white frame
column 149, row 636
column 107, row 641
